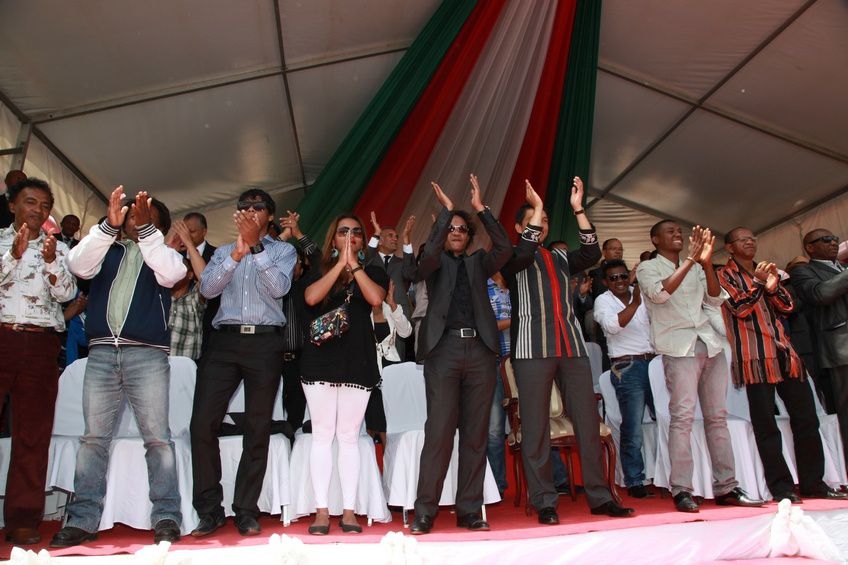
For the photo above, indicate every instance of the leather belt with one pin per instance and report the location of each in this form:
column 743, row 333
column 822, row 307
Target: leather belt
column 462, row 332
column 290, row 356
column 246, row 329
column 32, row 328
column 640, row 357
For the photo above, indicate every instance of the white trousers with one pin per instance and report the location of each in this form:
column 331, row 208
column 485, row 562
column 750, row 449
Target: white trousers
column 336, row 412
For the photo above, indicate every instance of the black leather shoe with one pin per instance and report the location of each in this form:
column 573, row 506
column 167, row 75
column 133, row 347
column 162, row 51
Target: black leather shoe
column 827, row 493
column 789, row 495
column 421, row 525
column 208, row 524
column 319, row 530
column 473, row 522
column 23, row 536
column 70, row 536
column 737, row 497
column 247, row 525
column 350, row 528
column 684, row 503
column 612, row 509
column 639, row 491
column 548, row 516
column 166, row 530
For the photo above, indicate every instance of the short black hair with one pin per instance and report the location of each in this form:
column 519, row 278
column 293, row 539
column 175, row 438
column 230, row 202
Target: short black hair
column 728, row 237
column 606, row 242
column 66, row 216
column 612, row 264
column 655, row 229
column 30, row 182
column 556, row 242
column 469, row 221
column 196, row 216
column 164, row 215
column 259, row 193
column 519, row 216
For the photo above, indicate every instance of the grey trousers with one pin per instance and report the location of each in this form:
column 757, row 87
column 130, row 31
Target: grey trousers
column 534, row 379
column 689, row 379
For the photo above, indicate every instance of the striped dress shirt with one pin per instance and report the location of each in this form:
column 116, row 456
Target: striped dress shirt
column 251, row 290
column 543, row 319
column 757, row 338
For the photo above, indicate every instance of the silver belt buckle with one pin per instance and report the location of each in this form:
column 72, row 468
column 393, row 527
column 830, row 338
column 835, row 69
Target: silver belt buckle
column 467, row 332
column 247, row 329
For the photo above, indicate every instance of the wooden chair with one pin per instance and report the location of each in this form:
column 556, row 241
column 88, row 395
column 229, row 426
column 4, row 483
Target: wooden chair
column 562, row 436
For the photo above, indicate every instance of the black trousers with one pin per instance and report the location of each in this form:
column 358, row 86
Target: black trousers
column 293, row 399
column 809, row 456
column 839, row 383
column 256, row 359
column 534, row 379
column 459, row 383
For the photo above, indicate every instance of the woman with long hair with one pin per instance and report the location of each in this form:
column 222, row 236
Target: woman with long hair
column 339, row 374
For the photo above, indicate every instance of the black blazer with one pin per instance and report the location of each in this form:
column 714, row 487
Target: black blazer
column 439, row 270
column 395, row 272
column 825, row 292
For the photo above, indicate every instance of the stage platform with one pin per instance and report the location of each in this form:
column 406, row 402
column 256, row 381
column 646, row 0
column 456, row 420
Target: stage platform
column 657, row 534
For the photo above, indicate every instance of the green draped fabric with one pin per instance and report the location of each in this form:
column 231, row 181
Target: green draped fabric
column 573, row 147
column 346, row 175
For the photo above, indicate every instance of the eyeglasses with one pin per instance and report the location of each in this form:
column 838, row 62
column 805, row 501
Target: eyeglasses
column 826, row 239
column 248, row 204
column 618, row 277
column 344, row 230
column 745, row 239
column 461, row 228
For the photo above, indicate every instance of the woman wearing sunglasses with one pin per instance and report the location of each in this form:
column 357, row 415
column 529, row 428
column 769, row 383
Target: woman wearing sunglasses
column 339, row 372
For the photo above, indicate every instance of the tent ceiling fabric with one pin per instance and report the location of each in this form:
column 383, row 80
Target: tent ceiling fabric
column 720, row 112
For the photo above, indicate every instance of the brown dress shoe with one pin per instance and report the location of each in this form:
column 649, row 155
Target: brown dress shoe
column 23, row 536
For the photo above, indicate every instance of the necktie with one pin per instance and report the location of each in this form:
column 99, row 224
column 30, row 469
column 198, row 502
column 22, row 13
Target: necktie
column 386, row 261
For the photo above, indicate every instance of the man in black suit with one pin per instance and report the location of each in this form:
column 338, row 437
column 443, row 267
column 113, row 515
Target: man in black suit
column 458, row 345
column 823, row 286
column 70, row 225
column 381, row 251
column 197, row 227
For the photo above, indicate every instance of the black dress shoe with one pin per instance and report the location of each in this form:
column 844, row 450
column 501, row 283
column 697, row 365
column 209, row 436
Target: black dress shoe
column 421, row 525
column 208, row 524
column 319, row 530
column 684, row 503
column 639, row 491
column 737, row 497
column 350, row 528
column 70, row 536
column 612, row 509
column 473, row 522
column 166, row 530
column 23, row 536
column 548, row 516
column 827, row 493
column 788, row 495
column 247, row 525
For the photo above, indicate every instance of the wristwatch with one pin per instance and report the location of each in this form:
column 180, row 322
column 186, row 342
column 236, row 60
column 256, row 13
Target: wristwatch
column 258, row 248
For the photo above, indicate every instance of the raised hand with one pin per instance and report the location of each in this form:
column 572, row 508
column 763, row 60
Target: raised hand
column 531, row 196
column 240, row 250
column 707, row 248
column 441, row 196
column 773, row 278
column 182, row 234
column 248, row 226
column 407, row 229
column 476, row 201
column 585, row 286
column 117, row 211
column 19, row 244
column 636, row 297
column 352, row 259
column 377, row 229
column 48, row 249
column 141, row 207
column 632, row 279
column 762, row 270
column 696, row 243
column 390, row 296
column 576, row 194
column 290, row 222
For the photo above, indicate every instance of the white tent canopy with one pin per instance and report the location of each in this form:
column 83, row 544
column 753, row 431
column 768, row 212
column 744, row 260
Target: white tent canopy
column 720, row 113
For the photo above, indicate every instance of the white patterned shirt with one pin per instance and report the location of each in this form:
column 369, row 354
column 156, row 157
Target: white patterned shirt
column 26, row 295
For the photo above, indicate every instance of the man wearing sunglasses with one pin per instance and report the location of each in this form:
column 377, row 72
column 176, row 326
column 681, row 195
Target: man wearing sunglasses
column 251, row 276
column 624, row 319
column 822, row 285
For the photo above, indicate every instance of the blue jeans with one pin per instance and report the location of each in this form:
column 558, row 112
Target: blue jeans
column 495, row 447
column 143, row 375
column 633, row 391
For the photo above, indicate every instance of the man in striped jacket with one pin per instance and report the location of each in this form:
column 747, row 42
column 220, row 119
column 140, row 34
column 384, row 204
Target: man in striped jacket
column 547, row 344
column 764, row 362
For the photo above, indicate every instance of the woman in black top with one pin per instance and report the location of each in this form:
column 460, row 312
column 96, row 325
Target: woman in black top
column 338, row 375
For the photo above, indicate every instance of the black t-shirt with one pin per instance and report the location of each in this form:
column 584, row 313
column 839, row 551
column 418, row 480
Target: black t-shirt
column 350, row 359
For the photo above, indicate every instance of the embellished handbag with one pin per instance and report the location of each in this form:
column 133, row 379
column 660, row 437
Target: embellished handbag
column 332, row 324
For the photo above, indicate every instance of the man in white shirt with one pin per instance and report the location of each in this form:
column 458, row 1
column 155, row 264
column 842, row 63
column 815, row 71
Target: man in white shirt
column 696, row 369
column 34, row 281
column 624, row 319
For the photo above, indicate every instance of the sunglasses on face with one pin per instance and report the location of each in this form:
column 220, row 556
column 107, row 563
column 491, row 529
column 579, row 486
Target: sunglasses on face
column 344, row 230
column 618, row 277
column 826, row 239
column 247, row 205
column 461, row 229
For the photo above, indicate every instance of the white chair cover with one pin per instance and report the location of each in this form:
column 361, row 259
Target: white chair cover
column 596, row 356
column 404, row 397
column 613, row 420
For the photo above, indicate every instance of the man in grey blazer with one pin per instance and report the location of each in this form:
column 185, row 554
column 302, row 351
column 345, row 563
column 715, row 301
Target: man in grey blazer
column 458, row 345
column 823, row 286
